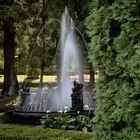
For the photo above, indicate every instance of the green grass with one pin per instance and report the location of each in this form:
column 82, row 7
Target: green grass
column 13, row 132
column 2, row 114
column 7, row 101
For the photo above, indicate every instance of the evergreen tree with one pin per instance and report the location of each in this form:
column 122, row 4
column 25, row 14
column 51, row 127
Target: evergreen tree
column 113, row 27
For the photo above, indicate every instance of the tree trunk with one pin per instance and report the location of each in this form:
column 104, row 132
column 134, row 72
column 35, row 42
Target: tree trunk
column 41, row 73
column 92, row 75
column 10, row 79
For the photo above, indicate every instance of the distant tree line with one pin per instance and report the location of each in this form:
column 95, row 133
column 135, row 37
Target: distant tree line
column 24, row 49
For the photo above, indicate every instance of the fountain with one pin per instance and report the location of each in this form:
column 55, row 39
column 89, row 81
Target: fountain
column 63, row 96
column 77, row 97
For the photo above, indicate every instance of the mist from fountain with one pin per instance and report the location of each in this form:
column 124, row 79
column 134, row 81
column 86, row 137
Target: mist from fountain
column 56, row 98
column 71, row 61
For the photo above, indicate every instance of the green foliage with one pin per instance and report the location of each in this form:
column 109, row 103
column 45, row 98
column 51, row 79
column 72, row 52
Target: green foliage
column 47, row 121
column 2, row 114
column 7, row 102
column 64, row 121
column 81, row 122
column 34, row 42
column 16, row 10
column 12, row 132
column 33, row 71
column 115, row 53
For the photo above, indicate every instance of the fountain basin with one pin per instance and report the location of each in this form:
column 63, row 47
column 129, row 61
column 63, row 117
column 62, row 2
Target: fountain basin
column 33, row 118
column 28, row 114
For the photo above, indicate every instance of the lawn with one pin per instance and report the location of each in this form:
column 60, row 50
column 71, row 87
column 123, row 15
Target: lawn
column 14, row 132
column 6, row 101
column 2, row 114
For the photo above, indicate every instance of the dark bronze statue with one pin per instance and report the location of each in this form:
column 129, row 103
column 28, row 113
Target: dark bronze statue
column 77, row 96
column 24, row 92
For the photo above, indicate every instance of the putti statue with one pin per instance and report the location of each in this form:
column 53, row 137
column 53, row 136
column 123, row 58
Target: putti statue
column 24, row 92
column 77, row 96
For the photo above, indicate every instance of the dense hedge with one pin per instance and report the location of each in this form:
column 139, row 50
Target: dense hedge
column 114, row 29
column 12, row 132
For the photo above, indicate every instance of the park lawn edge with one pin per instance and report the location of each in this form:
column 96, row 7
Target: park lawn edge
column 14, row 132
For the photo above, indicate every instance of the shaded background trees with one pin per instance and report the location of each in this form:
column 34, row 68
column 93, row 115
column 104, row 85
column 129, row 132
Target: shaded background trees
column 34, row 52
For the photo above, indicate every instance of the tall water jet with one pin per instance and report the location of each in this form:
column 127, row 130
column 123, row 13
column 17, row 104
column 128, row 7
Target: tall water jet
column 58, row 97
column 71, row 62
